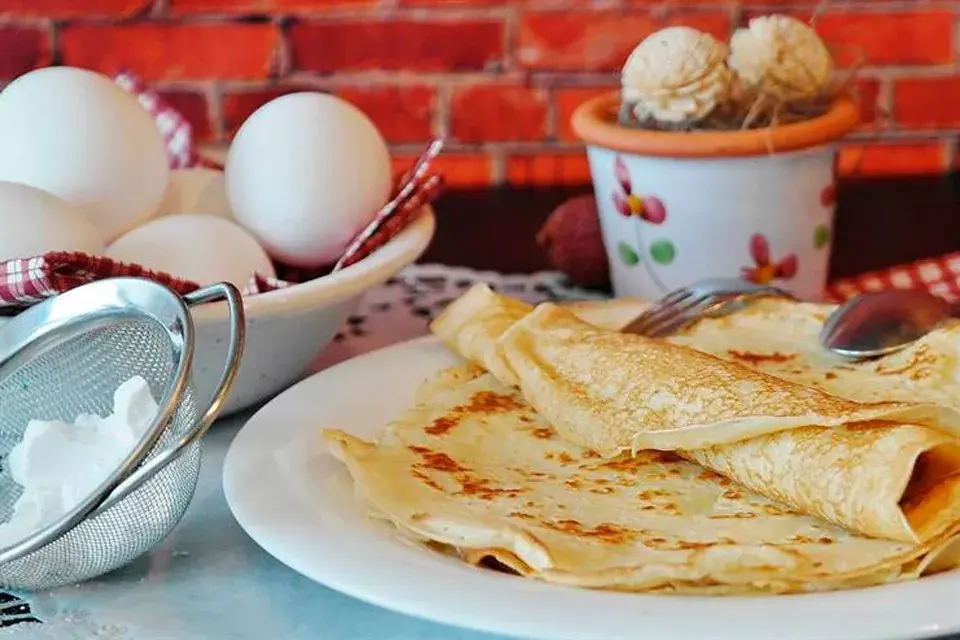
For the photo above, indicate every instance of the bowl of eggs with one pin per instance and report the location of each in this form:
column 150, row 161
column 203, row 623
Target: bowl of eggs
column 84, row 168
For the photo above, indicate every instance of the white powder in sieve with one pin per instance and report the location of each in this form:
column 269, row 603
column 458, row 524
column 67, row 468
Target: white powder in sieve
column 58, row 465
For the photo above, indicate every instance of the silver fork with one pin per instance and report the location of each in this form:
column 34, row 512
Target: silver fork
column 707, row 298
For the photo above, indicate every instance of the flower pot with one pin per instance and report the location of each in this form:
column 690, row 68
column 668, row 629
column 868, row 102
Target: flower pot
column 676, row 207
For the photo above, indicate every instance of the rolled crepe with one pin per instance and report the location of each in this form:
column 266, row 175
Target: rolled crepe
column 885, row 469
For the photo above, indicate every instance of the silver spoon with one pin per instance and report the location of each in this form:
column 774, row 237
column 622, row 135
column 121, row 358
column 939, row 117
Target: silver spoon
column 882, row 322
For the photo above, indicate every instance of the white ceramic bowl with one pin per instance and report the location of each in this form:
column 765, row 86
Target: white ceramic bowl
column 288, row 328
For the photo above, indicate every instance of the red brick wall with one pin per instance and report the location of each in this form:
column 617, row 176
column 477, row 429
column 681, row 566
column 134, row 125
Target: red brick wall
column 499, row 78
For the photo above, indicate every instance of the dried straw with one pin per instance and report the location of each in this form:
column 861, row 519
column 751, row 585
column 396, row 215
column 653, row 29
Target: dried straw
column 751, row 111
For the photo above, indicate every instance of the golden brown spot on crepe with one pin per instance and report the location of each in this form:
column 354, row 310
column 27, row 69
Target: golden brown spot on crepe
column 544, row 433
column 470, row 484
column 825, row 540
column 526, row 473
column 483, row 489
column 606, row 532
column 774, row 510
column 524, row 419
column 662, row 544
column 590, row 453
column 830, row 375
column 709, row 476
column 481, row 402
column 758, row 358
column 573, row 483
column 651, row 494
column 732, row 516
column 520, row 514
column 437, row 460
column 440, row 426
column 732, row 494
column 602, row 490
column 563, row 457
column 490, row 402
column 917, row 364
column 425, row 479
column 632, row 464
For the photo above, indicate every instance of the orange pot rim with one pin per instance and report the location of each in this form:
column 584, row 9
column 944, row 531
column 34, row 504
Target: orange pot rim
column 596, row 123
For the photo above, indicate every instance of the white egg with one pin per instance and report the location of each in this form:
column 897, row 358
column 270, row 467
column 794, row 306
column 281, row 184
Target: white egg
column 33, row 222
column 78, row 135
column 198, row 190
column 201, row 248
column 305, row 173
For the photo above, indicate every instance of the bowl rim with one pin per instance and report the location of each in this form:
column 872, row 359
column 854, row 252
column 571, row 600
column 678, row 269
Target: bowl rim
column 328, row 290
column 595, row 122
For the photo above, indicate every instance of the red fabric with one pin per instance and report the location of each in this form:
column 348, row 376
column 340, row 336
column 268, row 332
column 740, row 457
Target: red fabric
column 940, row 276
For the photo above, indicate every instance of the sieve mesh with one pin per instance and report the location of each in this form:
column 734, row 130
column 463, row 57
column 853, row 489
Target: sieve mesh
column 80, row 376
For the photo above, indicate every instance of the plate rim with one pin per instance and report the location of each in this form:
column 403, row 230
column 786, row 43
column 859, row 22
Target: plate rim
column 924, row 609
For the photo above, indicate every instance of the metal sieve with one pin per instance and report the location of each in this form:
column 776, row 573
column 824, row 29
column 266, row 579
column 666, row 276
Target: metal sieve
column 67, row 356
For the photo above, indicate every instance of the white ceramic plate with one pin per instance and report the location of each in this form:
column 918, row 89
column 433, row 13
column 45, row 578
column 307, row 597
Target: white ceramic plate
column 297, row 503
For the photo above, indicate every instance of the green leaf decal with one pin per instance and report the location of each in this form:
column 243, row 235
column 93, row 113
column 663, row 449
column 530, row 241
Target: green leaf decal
column 663, row 252
column 821, row 236
column 627, row 254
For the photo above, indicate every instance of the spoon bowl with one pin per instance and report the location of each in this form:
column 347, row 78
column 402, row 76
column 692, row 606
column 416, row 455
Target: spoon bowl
column 879, row 323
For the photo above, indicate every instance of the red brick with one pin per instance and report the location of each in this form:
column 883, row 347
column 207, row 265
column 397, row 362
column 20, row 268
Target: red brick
column 73, row 8
column 596, row 41
column 566, row 101
column 568, row 168
column 23, row 49
column 193, row 107
column 246, row 7
column 926, row 103
column 459, row 170
column 455, row 3
column 498, row 112
column 895, row 37
column 921, row 158
column 866, row 91
column 403, row 114
column 398, row 45
column 235, row 108
column 175, row 52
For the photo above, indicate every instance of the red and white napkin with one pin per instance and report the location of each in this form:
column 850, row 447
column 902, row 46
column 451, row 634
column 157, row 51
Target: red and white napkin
column 940, row 276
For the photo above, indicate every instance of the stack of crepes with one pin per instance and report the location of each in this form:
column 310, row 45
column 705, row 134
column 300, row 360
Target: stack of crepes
column 736, row 457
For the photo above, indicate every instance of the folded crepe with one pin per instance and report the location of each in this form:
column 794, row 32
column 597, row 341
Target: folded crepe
column 471, row 467
column 782, row 337
column 889, row 469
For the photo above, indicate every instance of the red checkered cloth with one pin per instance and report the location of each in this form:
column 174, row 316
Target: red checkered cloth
column 29, row 280
column 940, row 276
column 176, row 130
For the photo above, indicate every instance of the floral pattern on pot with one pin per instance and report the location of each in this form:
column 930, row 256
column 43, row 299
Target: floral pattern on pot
column 828, row 195
column 766, row 270
column 821, row 236
column 643, row 210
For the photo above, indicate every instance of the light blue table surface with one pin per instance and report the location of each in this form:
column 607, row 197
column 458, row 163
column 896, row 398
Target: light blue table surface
column 210, row 580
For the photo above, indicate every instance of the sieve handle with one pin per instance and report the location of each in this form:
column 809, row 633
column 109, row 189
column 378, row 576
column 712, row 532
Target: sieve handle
column 215, row 292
